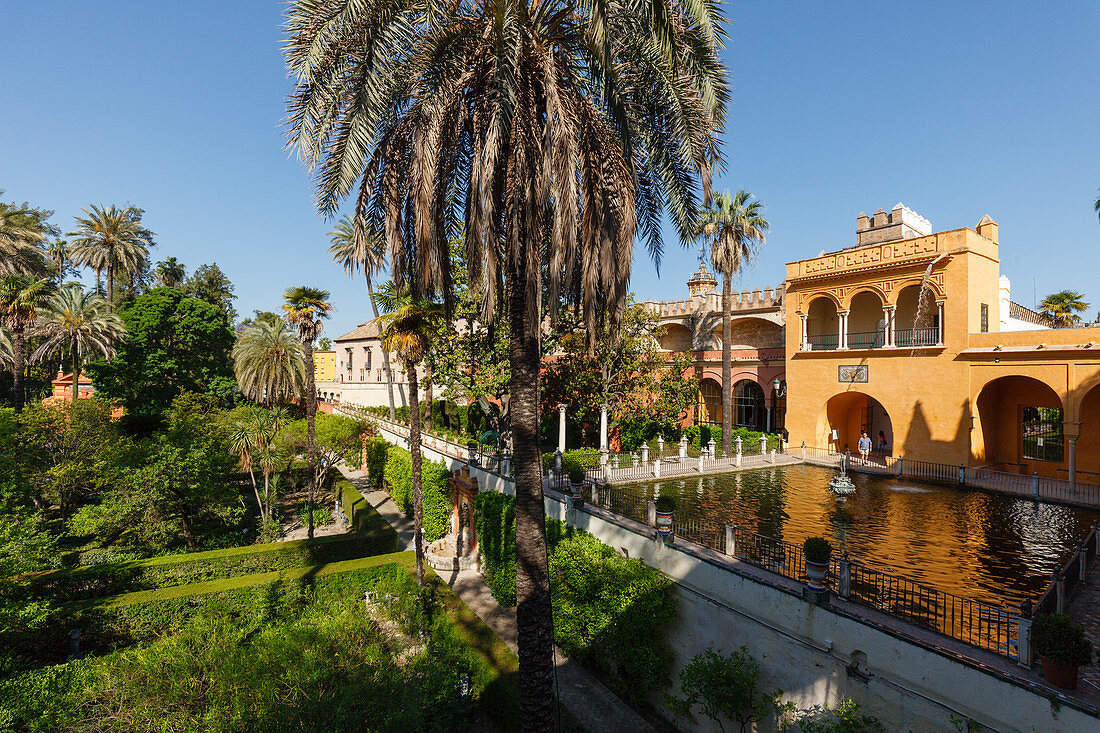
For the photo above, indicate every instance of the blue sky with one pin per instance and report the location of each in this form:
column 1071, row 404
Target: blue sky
column 956, row 108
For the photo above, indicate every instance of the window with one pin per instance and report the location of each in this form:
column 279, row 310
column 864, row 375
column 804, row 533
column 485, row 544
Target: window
column 710, row 403
column 366, row 352
column 748, row 405
column 1041, row 433
column 985, row 318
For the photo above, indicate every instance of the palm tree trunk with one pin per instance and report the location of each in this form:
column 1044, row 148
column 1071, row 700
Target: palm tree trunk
column 111, row 284
column 76, row 375
column 727, row 370
column 418, row 489
column 534, row 621
column 428, row 395
column 385, row 355
column 311, row 431
column 17, row 368
column 256, row 491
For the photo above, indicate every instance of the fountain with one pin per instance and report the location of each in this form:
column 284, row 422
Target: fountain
column 841, row 485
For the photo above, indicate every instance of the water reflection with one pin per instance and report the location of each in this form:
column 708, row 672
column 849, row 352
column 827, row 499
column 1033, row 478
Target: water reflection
column 993, row 548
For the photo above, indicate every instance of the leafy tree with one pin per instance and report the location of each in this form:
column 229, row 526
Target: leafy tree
column 259, row 316
column 21, row 297
column 1062, row 308
column 269, row 363
column 356, row 248
column 305, row 309
column 210, row 284
column 170, row 272
column 733, row 226
column 324, row 344
column 556, row 132
column 111, row 239
column 174, row 344
column 338, row 440
column 844, row 718
column 725, row 687
column 625, row 370
column 181, row 484
column 408, row 332
column 78, row 324
column 23, row 228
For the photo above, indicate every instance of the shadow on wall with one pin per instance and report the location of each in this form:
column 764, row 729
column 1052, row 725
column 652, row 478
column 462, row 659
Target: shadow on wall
column 918, row 439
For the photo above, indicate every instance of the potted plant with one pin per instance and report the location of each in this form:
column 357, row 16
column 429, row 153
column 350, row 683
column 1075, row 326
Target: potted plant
column 665, row 507
column 1063, row 647
column 472, row 447
column 818, row 552
column 576, row 484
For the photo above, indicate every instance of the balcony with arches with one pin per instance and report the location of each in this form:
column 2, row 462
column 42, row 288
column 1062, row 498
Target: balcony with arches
column 869, row 320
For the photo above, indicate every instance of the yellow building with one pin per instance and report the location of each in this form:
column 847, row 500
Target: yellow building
column 912, row 333
column 324, row 366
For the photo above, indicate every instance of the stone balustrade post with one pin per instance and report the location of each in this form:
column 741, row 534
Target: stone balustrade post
column 737, row 451
column 710, row 449
column 803, row 450
column 634, row 459
column 645, row 454
column 657, row 467
column 683, row 447
column 557, row 463
column 773, row 456
column 1060, row 594
column 652, row 513
column 1082, row 563
column 595, row 494
column 844, row 582
column 731, row 540
column 763, row 444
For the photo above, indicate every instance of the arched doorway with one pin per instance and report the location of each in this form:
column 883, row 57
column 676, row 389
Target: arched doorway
column 748, row 405
column 848, row 415
column 1021, row 426
column 709, row 411
column 1088, row 444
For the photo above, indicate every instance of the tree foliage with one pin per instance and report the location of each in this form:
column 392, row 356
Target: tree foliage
column 269, row 363
column 175, row 344
column 725, row 687
column 210, row 284
column 1063, row 308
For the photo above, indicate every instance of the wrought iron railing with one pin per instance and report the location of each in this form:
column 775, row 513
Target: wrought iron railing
column 824, row 342
column 913, row 337
column 867, row 340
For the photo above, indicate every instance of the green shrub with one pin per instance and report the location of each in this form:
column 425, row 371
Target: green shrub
column 724, row 687
column 322, row 514
column 633, row 434
column 434, row 480
column 608, row 610
column 817, row 549
column 1057, row 638
column 376, row 460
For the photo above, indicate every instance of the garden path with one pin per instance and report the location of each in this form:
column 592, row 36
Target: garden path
column 590, row 701
column 1084, row 607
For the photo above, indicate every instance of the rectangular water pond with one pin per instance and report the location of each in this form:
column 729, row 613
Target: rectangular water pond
column 996, row 549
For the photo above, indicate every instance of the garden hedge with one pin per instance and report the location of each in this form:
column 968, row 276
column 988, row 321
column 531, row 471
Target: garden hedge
column 608, row 610
column 434, row 479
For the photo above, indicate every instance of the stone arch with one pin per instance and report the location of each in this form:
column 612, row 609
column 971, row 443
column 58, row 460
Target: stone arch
column 849, row 414
column 866, row 288
column 709, row 409
column 866, row 320
column 677, row 337
column 749, row 404
column 1016, row 426
column 895, row 292
column 1088, row 440
column 823, row 323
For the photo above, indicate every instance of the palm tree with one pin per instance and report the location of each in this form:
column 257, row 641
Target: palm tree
column 18, row 239
column 112, row 240
column 170, row 272
column 78, row 324
column 734, row 227
column 252, row 438
column 57, row 252
column 305, row 308
column 7, row 358
column 408, row 332
column 546, row 134
column 1062, row 308
column 355, row 248
column 21, row 296
column 269, row 363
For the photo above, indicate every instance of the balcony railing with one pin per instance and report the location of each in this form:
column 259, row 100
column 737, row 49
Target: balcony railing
column 867, row 340
column 911, row 337
column 824, row 343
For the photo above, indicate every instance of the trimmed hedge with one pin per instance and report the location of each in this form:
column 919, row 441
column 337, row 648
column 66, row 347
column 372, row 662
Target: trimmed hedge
column 587, row 459
column 435, row 483
column 376, row 460
column 700, row 435
column 608, row 610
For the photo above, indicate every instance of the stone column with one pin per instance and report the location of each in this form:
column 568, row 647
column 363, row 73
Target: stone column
column 805, row 343
column 561, row 428
column 603, row 427
column 683, row 447
column 939, row 334
column 1071, row 460
column 889, row 310
column 843, row 340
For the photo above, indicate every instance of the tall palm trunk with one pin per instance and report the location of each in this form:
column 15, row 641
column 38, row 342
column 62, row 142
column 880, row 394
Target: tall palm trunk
column 385, row 355
column 111, row 284
column 418, row 489
column 311, row 432
column 428, row 396
column 76, row 374
column 727, row 369
column 533, row 611
column 18, row 366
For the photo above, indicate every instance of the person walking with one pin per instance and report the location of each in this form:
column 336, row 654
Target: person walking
column 864, row 446
column 882, row 446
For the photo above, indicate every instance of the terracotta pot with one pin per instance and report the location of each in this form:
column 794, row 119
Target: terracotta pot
column 1059, row 674
column 816, row 572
